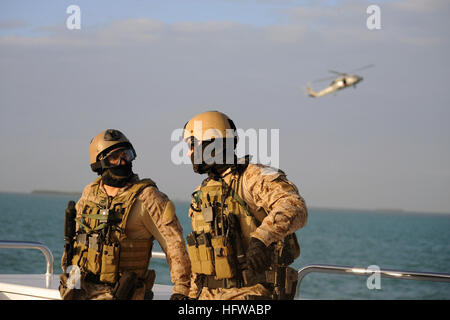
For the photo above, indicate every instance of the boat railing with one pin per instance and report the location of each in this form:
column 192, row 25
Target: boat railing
column 48, row 254
column 37, row 246
column 158, row 255
column 359, row 271
column 301, row 273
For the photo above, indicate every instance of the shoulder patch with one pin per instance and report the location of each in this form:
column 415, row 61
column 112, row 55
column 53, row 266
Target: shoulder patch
column 263, row 171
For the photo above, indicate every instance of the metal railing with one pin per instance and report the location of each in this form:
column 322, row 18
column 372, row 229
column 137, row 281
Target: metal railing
column 37, row 246
column 158, row 255
column 302, row 272
column 358, row 271
column 49, row 256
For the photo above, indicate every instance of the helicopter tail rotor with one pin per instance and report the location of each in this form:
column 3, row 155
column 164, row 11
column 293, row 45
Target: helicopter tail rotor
column 310, row 91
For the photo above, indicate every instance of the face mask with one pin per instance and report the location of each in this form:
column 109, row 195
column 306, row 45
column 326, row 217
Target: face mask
column 200, row 168
column 208, row 165
column 118, row 176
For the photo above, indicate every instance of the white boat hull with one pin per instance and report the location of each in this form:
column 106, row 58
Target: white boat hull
column 33, row 287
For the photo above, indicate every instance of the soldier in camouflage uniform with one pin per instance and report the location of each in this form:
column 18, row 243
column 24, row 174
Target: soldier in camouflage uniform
column 117, row 219
column 244, row 218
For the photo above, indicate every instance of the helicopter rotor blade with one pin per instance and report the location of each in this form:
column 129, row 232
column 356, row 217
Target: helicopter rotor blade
column 324, row 79
column 336, row 72
column 365, row 67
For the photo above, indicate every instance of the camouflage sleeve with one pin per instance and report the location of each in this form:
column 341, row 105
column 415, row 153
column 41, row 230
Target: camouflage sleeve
column 170, row 237
column 286, row 210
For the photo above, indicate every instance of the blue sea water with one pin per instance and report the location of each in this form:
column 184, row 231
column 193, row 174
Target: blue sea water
column 405, row 241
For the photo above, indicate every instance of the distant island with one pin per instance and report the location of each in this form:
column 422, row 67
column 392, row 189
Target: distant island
column 65, row 193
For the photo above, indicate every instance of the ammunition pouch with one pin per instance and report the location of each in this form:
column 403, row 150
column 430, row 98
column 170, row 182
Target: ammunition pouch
column 223, row 260
column 194, row 253
column 109, row 263
column 201, row 253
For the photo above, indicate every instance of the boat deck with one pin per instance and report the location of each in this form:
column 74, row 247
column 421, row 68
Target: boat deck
column 33, row 287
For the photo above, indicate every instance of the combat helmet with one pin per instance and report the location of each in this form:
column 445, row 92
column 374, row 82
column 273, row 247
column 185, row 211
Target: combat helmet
column 105, row 142
column 212, row 139
column 210, row 125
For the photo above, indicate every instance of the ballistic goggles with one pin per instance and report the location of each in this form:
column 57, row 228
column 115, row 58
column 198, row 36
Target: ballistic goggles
column 114, row 158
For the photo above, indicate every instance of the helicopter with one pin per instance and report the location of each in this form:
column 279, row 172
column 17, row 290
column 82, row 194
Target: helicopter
column 344, row 80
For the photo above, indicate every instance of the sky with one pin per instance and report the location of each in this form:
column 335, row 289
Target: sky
column 147, row 67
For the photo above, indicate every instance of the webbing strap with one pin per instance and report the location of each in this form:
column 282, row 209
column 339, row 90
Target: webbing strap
column 98, row 216
column 97, row 228
column 241, row 202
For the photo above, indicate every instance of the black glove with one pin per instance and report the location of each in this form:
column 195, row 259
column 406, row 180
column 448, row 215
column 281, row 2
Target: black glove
column 179, row 296
column 259, row 257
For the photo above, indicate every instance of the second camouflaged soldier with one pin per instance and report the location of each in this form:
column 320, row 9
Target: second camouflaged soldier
column 117, row 219
column 244, row 218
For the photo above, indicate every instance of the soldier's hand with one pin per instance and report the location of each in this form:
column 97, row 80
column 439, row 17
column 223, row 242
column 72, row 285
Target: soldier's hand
column 259, row 256
column 179, row 296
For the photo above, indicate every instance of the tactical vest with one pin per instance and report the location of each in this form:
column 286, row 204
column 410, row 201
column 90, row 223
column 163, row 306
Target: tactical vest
column 101, row 246
column 222, row 224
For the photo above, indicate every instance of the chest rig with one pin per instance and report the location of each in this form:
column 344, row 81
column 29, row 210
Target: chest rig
column 101, row 247
column 222, row 224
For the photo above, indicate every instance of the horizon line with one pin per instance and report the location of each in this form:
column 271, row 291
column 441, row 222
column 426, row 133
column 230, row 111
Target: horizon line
column 380, row 210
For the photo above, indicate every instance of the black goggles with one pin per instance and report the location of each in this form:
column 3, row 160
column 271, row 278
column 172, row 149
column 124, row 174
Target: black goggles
column 114, row 158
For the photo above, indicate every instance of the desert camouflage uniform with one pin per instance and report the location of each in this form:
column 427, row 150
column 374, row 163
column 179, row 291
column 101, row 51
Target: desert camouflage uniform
column 264, row 189
column 147, row 221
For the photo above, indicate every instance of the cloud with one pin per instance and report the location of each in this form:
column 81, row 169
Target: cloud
column 12, row 24
column 343, row 23
column 148, row 77
column 286, row 34
column 115, row 33
column 208, row 26
column 413, row 22
column 420, row 6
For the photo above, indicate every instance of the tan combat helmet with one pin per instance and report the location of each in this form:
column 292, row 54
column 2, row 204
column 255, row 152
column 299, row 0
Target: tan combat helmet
column 210, row 125
column 104, row 142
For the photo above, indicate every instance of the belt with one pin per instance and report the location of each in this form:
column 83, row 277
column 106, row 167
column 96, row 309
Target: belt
column 211, row 282
column 94, row 278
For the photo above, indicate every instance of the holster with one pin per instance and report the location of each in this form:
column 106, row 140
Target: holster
column 149, row 280
column 132, row 287
column 284, row 280
column 125, row 287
